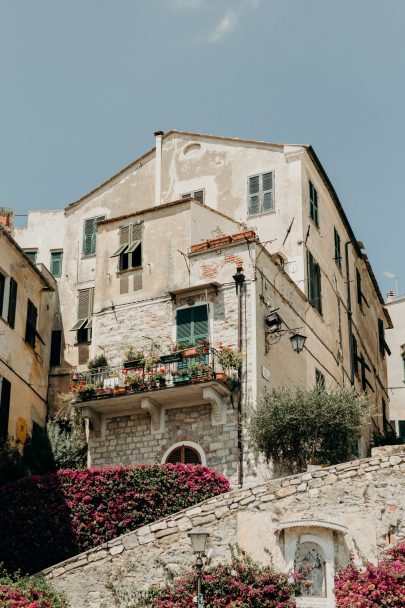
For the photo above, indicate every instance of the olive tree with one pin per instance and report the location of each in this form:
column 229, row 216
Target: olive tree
column 296, row 426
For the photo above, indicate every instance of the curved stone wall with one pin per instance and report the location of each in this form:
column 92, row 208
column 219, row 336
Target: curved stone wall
column 366, row 497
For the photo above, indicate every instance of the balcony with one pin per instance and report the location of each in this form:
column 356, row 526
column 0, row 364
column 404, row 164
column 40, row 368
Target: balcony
column 181, row 379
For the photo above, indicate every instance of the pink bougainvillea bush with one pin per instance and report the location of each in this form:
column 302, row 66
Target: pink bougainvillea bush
column 26, row 593
column 46, row 519
column 242, row 584
column 375, row 586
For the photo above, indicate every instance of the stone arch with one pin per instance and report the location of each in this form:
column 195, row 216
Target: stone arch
column 186, row 444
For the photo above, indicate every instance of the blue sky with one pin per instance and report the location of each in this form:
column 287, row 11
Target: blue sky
column 84, row 83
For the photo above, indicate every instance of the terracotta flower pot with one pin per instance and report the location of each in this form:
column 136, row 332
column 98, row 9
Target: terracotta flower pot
column 221, row 376
column 191, row 352
column 120, row 390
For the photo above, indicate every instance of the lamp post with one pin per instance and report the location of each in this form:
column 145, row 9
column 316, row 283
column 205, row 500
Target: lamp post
column 199, row 537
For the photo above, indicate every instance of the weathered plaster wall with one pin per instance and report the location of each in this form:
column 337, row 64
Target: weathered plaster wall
column 25, row 367
column 396, row 374
column 366, row 496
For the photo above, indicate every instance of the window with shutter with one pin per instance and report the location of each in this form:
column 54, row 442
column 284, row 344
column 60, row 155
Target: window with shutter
column 83, row 324
column 360, row 295
column 2, row 292
column 12, row 303
column 5, row 387
column 260, row 193
column 185, row 455
column 90, row 234
column 198, row 195
column 56, row 263
column 314, row 282
column 31, row 324
column 355, row 356
column 384, row 348
column 56, row 343
column 338, row 255
column 31, row 255
column 191, row 326
column 313, row 204
column 130, row 250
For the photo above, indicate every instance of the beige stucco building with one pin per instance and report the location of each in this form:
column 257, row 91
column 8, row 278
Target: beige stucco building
column 145, row 245
column 396, row 363
column 27, row 310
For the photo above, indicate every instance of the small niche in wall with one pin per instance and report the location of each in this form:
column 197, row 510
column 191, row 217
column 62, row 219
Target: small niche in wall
column 191, row 149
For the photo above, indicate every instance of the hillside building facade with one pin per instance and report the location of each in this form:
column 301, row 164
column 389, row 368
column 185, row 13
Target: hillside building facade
column 156, row 255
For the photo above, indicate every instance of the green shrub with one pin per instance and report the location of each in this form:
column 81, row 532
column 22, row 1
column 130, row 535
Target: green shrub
column 297, row 426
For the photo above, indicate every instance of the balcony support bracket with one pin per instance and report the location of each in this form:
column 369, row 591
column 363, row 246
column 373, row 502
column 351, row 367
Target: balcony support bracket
column 95, row 419
column 218, row 405
column 156, row 414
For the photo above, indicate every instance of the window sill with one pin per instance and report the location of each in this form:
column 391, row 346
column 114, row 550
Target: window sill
column 87, row 343
column 86, row 257
column 271, row 212
column 119, row 272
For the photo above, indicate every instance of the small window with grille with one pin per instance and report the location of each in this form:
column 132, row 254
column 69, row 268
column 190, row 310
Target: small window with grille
column 198, row 195
column 183, row 454
column 261, row 193
column 129, row 253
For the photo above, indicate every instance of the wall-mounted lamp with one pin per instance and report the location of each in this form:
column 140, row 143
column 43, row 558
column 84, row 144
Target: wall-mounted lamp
column 239, row 279
column 297, row 342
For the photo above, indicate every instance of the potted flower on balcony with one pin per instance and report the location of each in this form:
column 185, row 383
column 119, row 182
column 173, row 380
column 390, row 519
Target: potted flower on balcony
column 200, row 372
column 188, row 349
column 83, row 390
column 133, row 358
column 229, row 359
column 157, row 378
column 136, row 381
column 174, row 355
column 180, row 376
column 203, row 345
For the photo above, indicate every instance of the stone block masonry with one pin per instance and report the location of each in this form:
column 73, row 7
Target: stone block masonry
column 367, row 496
column 128, row 439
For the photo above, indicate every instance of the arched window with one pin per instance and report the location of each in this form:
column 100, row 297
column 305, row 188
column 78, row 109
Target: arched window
column 184, row 454
column 310, row 563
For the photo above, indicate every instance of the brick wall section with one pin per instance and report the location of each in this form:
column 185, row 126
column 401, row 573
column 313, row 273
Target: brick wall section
column 372, row 487
column 128, row 439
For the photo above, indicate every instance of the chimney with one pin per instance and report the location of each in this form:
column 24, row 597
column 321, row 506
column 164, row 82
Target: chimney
column 7, row 217
column 158, row 166
column 391, row 296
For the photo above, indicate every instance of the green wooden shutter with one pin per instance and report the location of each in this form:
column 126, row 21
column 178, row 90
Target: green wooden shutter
column 254, row 195
column 267, row 191
column 200, row 322
column 4, row 407
column 12, row 303
column 310, row 276
column 56, row 263
column 317, row 286
column 358, row 287
column 184, row 325
column 88, row 236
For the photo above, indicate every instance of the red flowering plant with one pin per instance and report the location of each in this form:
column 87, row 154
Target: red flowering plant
column 71, row 511
column 17, row 592
column 133, row 378
column 228, row 358
column 157, row 374
column 376, row 585
column 242, row 584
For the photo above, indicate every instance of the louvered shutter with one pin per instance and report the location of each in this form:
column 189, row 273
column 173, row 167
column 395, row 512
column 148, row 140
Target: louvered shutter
column 317, row 288
column 358, row 287
column 200, row 323
column 254, row 195
column 88, row 236
column 12, row 303
column 84, row 308
column 136, row 237
column 4, row 407
column 174, row 457
column 184, row 325
column 191, row 456
column 31, row 325
column 124, row 241
column 310, row 277
column 198, row 195
column 267, row 191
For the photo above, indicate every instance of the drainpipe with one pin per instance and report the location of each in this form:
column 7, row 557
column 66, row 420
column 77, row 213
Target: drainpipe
column 349, row 312
column 158, row 166
column 239, row 279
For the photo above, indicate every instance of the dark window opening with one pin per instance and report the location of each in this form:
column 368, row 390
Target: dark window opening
column 338, row 254
column 183, row 454
column 313, row 204
column 56, row 343
column 4, row 407
column 2, row 291
column 319, row 380
column 12, row 303
column 360, row 295
column 314, row 282
column 31, row 332
column 383, row 346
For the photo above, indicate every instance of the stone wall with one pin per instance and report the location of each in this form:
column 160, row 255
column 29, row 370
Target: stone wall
column 366, row 497
column 128, row 439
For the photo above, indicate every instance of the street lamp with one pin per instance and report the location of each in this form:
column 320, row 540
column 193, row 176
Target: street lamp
column 199, row 537
column 297, row 342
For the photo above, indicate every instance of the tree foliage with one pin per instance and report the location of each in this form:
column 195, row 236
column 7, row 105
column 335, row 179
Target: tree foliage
column 297, row 426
